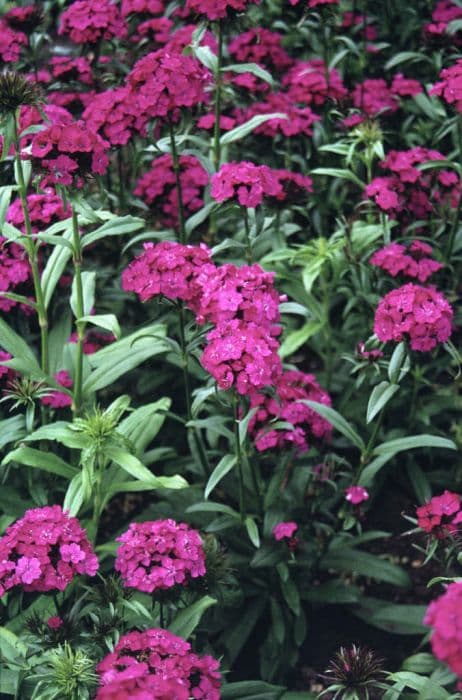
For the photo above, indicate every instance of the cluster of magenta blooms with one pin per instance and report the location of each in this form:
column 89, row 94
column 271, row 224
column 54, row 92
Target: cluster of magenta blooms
column 46, row 548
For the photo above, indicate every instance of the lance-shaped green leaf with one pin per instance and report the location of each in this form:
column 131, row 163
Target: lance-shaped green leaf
column 116, row 226
column 15, row 345
column 56, row 264
column 47, row 461
column 88, row 293
column 413, row 442
column 253, row 68
column 187, row 619
column 239, row 132
column 133, row 466
column 380, row 396
column 107, row 321
column 338, row 422
column 143, row 424
column 224, row 466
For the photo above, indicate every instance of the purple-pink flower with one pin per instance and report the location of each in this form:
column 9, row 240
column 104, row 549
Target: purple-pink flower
column 413, row 261
column 444, row 615
column 87, row 22
column 356, row 494
column 58, row 399
column 420, row 314
column 44, row 550
column 245, row 182
column 159, row 554
column 284, row 530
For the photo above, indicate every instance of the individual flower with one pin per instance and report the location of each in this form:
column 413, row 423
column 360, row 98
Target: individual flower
column 414, row 261
column 241, row 355
column 420, row 314
column 370, row 355
column 58, row 399
column 439, row 515
column 246, row 293
column 444, row 615
column 356, row 495
column 44, row 208
column 285, row 404
column 44, row 550
column 55, row 622
column 159, row 554
column 87, row 22
column 245, row 182
column 164, row 81
column 284, row 530
column 158, row 654
column 68, row 152
column 170, row 269
column 355, row 670
column 217, row 9
column 310, row 82
column 157, row 187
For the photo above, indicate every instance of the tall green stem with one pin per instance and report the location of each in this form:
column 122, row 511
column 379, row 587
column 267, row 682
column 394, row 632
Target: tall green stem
column 237, row 447
column 79, row 311
column 218, row 95
column 455, row 223
column 179, row 193
column 248, row 252
column 32, row 252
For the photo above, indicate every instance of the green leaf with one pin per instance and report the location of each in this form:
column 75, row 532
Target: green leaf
column 391, row 617
column 370, row 470
column 252, row 690
column 11, row 430
column 426, row 687
column 364, row 564
column 291, row 595
column 10, row 645
column 413, row 442
column 247, row 127
column 420, row 483
column 143, row 424
column 74, row 497
column 116, row 226
column 205, row 55
column 120, row 357
column 107, row 321
column 380, row 396
column 133, row 466
column 200, row 216
column 88, row 293
column 294, row 340
column 341, row 173
column 47, row 461
column 396, row 362
column 55, row 265
column 211, row 507
column 224, row 466
column 187, row 619
column 237, row 634
column 253, row 68
column 59, row 432
column 338, row 422
column 252, row 531
column 15, row 345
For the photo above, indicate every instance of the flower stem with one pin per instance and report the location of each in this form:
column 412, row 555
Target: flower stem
column 218, row 94
column 79, row 310
column 237, row 447
column 248, row 253
column 455, row 223
column 32, row 249
column 179, row 193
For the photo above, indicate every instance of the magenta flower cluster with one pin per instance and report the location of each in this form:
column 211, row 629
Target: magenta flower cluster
column 450, row 85
column 159, row 554
column 444, row 615
column 44, row 208
column 441, row 515
column 68, row 151
column 157, row 187
column 216, row 9
column 245, row 183
column 153, row 655
column 418, row 314
column 14, row 270
column 87, row 22
column 291, row 389
column 414, row 261
column 44, row 550
column 58, row 399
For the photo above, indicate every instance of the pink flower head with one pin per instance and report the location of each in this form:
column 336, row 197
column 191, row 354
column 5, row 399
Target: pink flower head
column 171, row 269
column 444, row 615
column 298, row 120
column 306, row 83
column 246, row 293
column 295, row 188
column 113, row 114
column 58, row 399
column 373, row 97
column 142, row 7
column 136, row 684
column 44, row 209
column 413, row 262
column 245, row 182
column 14, row 270
column 55, row 622
column 24, row 19
column 31, row 551
column 243, row 355
column 259, row 45
column 67, row 68
column 158, row 655
column 291, row 388
column 284, row 530
column 87, row 22
column 420, row 314
column 159, row 554
column 11, row 43
column 445, row 11
column 68, row 152
column 317, row 3
column 217, row 9
column 449, row 88
column 437, row 516
column 157, row 187
column 356, row 494
column 164, row 81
